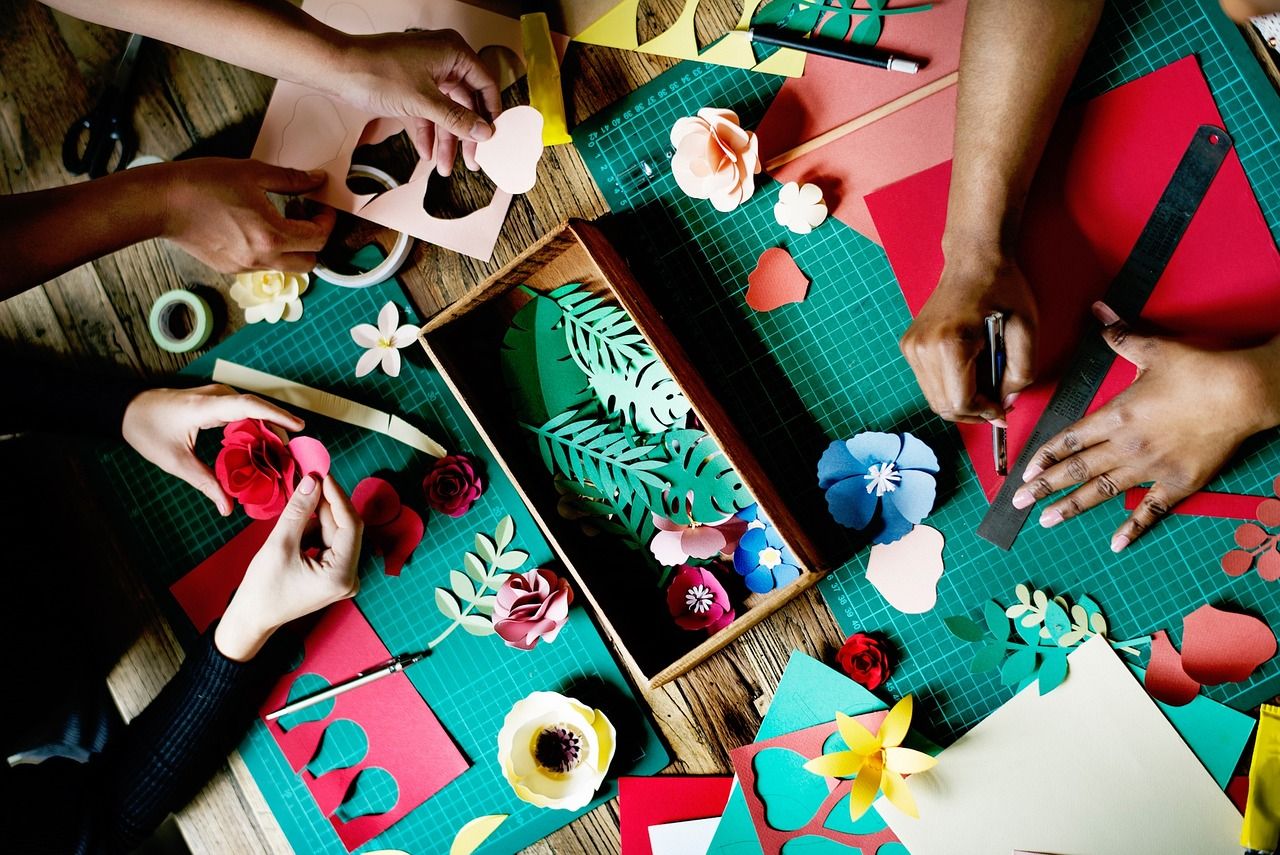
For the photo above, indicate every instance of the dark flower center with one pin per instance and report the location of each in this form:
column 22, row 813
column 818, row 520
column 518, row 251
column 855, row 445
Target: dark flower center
column 558, row 749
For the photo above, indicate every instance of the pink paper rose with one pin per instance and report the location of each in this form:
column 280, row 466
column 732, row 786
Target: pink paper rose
column 453, row 485
column 715, row 158
column 256, row 467
column 697, row 600
column 531, row 606
column 675, row 544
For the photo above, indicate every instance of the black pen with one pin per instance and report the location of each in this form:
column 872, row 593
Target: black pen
column 848, row 51
column 995, row 349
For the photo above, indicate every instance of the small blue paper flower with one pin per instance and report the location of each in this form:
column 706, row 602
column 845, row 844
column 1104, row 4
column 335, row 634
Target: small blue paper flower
column 762, row 558
column 884, row 472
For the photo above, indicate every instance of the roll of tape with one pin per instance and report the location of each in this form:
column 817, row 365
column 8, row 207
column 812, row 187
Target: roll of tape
column 390, row 264
column 162, row 317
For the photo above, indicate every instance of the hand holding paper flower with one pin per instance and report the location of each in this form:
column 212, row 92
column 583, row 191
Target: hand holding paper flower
column 259, row 469
column 270, row 295
column 697, row 600
column 384, row 342
column 555, row 751
column 715, row 158
column 878, row 760
column 530, row 607
column 887, row 473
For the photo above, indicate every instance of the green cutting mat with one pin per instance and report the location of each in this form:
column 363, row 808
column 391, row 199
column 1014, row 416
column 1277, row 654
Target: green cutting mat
column 469, row 682
column 805, row 374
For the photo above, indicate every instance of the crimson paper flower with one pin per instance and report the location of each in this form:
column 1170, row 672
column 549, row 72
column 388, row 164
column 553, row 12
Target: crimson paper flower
column 697, row 600
column 256, row 467
column 866, row 659
column 453, row 485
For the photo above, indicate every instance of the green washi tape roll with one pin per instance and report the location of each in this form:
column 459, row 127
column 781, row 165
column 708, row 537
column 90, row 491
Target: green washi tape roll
column 162, row 317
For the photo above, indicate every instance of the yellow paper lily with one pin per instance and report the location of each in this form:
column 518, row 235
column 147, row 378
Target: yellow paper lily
column 877, row 762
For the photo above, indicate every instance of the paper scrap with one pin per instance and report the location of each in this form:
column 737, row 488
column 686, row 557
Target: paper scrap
column 510, row 157
column 665, row 799
column 906, row 572
column 1204, row 504
column 546, row 93
column 475, row 832
column 1154, row 795
column 325, row 403
column 775, row 281
column 1167, row 681
column 690, row 837
column 392, row 529
column 1224, row 647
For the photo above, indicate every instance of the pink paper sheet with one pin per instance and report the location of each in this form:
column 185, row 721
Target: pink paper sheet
column 832, row 92
column 1108, row 163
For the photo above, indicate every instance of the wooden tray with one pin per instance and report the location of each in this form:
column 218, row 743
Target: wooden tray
column 464, row 343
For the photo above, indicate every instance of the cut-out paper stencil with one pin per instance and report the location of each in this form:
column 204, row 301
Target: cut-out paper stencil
column 1259, row 543
column 510, row 157
column 775, row 281
column 906, row 572
column 383, row 342
column 800, row 209
column 879, row 482
column 475, row 832
column 306, row 129
column 391, row 529
column 663, row 800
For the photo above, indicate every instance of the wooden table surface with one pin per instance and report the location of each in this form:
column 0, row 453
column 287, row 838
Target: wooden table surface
column 52, row 68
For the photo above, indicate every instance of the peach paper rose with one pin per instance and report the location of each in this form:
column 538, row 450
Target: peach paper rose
column 715, row 158
column 530, row 607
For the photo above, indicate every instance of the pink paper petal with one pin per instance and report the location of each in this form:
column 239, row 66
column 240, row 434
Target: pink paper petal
column 776, row 281
column 397, row 540
column 1166, row 681
column 376, row 501
column 310, row 455
column 702, row 542
column 667, row 548
column 1224, row 647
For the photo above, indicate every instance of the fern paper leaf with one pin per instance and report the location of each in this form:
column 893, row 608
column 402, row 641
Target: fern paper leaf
column 606, row 458
column 600, row 337
column 537, row 367
column 646, row 397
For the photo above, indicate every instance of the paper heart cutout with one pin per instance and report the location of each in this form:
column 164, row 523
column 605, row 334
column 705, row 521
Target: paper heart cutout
column 906, row 572
column 510, row 157
column 775, row 281
column 790, row 795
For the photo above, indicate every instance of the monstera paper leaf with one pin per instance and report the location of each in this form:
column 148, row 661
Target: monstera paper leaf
column 538, row 369
column 701, row 486
column 646, row 397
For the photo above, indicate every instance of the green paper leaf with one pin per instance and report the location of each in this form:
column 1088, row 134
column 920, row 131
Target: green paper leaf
column 1018, row 667
column 539, row 372
column 474, row 567
column 477, row 624
column 964, row 628
column 596, row 514
column 589, row 451
column 511, row 561
column 505, row 532
column 646, row 397
column 1056, row 620
column 1030, row 634
column 486, row 548
column 447, row 605
column 485, row 605
column 1053, row 671
column 703, row 487
column 997, row 623
column 599, row 336
column 462, row 586
column 988, row 658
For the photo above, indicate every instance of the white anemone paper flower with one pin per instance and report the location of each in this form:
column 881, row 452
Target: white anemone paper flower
column 383, row 342
column 270, row 295
column 554, row 751
column 800, row 208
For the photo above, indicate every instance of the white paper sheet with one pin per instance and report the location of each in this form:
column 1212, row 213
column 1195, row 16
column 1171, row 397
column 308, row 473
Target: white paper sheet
column 1092, row 768
column 691, row 837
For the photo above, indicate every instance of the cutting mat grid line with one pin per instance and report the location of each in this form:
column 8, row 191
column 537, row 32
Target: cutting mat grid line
column 805, row 374
column 469, row 682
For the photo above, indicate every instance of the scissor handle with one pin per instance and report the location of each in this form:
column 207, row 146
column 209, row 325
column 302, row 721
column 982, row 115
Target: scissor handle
column 109, row 138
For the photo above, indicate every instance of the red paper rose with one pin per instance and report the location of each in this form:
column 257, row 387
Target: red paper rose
column 256, row 467
column 453, row 485
column 866, row 659
column 697, row 600
column 531, row 606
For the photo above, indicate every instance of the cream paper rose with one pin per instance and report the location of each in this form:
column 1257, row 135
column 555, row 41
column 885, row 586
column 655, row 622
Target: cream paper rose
column 270, row 295
column 554, row 751
column 715, row 158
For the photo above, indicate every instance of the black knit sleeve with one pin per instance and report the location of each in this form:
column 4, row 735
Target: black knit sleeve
column 52, row 398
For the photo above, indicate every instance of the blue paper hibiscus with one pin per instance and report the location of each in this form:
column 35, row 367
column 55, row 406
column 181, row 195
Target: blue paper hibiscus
column 879, row 477
column 762, row 558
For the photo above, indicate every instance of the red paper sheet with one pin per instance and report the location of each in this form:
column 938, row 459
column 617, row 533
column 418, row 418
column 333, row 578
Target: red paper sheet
column 1205, row 504
column 1108, row 162
column 643, row 802
column 833, row 91
column 405, row 737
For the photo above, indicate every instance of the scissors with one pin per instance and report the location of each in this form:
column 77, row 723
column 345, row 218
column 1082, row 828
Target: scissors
column 104, row 141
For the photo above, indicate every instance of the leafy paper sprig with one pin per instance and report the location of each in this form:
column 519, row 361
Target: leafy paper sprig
column 1259, row 543
column 1046, row 628
column 469, row 600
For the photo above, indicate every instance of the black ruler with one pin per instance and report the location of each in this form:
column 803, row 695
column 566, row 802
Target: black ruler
column 1127, row 294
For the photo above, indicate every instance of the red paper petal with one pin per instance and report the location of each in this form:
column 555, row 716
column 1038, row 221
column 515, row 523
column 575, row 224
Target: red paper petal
column 1224, row 647
column 1166, row 681
column 776, row 281
column 310, row 455
column 1237, row 562
column 376, row 501
column 397, row 540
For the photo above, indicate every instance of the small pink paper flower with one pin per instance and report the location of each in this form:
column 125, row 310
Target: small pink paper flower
column 453, row 485
column 715, row 158
column 675, row 544
column 697, row 600
column 531, row 606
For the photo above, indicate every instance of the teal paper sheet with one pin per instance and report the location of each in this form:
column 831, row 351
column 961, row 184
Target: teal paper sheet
column 469, row 682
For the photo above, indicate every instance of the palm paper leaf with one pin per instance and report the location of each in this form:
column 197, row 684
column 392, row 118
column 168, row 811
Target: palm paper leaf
column 600, row 337
column 704, row 487
column 590, row 451
column 597, row 514
column 646, row 397
column 537, row 367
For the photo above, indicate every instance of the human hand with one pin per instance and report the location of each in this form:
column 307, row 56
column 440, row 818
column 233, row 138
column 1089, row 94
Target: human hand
column 216, row 208
column 1181, row 420
column 287, row 579
column 430, row 78
column 162, row 425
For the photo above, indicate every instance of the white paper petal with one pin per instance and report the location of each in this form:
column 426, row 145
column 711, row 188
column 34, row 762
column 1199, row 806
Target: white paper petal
column 790, row 193
column 387, row 320
column 809, row 194
column 271, row 312
column 365, row 335
column 253, row 314
column 404, row 336
column 293, row 310
column 815, row 215
column 368, row 361
column 391, row 361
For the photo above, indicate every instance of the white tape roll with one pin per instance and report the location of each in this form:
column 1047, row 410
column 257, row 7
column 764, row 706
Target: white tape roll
column 393, row 261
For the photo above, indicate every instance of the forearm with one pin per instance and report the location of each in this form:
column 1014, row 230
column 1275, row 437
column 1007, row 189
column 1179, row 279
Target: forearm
column 1017, row 62
column 271, row 37
column 48, row 232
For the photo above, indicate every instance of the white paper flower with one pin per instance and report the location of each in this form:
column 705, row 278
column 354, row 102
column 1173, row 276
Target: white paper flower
column 383, row 342
column 269, row 295
column 800, row 208
column 555, row 751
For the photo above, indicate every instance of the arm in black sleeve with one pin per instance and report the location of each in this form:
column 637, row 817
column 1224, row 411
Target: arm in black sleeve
column 52, row 398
